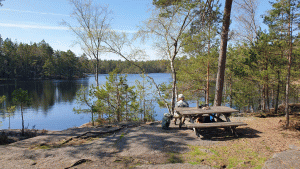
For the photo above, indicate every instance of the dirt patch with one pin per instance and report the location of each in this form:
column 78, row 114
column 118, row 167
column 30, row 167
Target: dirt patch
column 259, row 141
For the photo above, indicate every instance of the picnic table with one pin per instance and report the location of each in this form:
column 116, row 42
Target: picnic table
column 194, row 112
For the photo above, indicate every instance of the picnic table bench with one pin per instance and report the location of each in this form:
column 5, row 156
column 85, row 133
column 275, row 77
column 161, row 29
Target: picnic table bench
column 216, row 111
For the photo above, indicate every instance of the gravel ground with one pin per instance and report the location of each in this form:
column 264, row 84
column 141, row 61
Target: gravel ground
column 145, row 144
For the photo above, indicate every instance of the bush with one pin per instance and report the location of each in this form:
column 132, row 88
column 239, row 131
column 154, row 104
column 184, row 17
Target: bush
column 3, row 138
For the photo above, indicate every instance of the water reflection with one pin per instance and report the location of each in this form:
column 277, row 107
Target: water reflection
column 43, row 93
column 53, row 101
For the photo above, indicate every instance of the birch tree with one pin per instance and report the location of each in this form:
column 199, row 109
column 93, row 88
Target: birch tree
column 246, row 18
column 167, row 27
column 93, row 23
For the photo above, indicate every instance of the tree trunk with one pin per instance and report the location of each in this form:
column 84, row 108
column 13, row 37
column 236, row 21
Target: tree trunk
column 93, row 123
column 22, row 120
column 278, row 90
column 207, row 82
column 230, row 97
column 288, row 70
column 287, row 91
column 173, row 87
column 97, row 67
column 222, row 55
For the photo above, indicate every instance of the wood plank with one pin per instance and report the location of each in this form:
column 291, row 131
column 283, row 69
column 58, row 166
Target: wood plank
column 216, row 125
column 198, row 111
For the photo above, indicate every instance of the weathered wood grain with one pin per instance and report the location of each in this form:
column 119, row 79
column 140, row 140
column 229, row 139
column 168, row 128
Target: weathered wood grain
column 216, row 125
column 198, row 111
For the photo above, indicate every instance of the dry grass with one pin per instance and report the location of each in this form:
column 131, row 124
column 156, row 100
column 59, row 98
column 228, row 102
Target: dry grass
column 257, row 142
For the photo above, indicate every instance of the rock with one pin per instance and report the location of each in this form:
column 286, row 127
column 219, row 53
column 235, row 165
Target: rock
column 206, row 151
column 174, row 166
column 293, row 147
column 285, row 159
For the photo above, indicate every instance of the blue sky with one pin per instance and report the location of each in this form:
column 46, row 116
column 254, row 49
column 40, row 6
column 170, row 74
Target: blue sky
column 34, row 20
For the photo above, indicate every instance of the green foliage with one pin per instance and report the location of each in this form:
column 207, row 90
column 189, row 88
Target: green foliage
column 9, row 109
column 144, row 94
column 85, row 97
column 115, row 100
column 166, row 92
column 21, row 98
column 2, row 98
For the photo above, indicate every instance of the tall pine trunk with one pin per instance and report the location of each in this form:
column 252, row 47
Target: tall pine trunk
column 290, row 34
column 207, row 82
column 222, row 55
column 278, row 90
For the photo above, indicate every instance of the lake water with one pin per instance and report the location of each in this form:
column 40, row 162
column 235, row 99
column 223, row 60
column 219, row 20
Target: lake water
column 53, row 101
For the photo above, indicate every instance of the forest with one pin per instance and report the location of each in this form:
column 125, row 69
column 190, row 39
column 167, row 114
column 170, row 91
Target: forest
column 41, row 61
column 262, row 66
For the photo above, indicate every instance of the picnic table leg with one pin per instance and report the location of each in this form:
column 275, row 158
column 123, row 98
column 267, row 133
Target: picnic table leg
column 180, row 122
column 233, row 131
column 197, row 132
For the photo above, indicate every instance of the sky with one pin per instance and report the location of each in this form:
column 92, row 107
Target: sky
column 29, row 21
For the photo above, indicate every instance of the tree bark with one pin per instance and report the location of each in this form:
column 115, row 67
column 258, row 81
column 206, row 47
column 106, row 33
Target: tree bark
column 97, row 68
column 207, row 82
column 22, row 120
column 290, row 34
column 278, row 90
column 222, row 55
column 173, row 86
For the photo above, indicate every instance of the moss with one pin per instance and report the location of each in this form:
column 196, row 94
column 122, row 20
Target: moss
column 122, row 135
column 174, row 158
column 44, row 147
column 231, row 156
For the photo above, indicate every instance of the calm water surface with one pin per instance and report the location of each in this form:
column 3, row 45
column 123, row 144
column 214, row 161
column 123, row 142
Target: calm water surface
column 53, row 102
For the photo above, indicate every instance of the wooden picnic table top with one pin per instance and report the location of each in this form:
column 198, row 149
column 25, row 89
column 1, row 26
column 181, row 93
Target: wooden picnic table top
column 198, row 111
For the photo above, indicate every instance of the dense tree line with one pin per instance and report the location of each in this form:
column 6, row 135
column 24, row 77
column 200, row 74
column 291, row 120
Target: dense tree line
column 151, row 66
column 39, row 60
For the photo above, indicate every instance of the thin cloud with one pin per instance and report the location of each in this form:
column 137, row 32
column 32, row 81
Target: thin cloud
column 42, row 13
column 32, row 26
column 26, row 26
column 126, row 31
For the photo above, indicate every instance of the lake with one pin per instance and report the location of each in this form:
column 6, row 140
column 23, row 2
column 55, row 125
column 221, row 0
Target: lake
column 53, row 101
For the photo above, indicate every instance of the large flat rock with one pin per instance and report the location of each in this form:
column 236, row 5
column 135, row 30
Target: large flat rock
column 283, row 160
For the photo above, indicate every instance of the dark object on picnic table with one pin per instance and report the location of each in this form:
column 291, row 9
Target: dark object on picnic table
column 207, row 119
column 203, row 105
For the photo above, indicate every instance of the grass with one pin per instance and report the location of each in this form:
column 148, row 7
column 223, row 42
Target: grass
column 44, row 147
column 174, row 158
column 230, row 156
column 122, row 135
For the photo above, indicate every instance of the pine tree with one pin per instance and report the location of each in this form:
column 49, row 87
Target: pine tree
column 283, row 19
